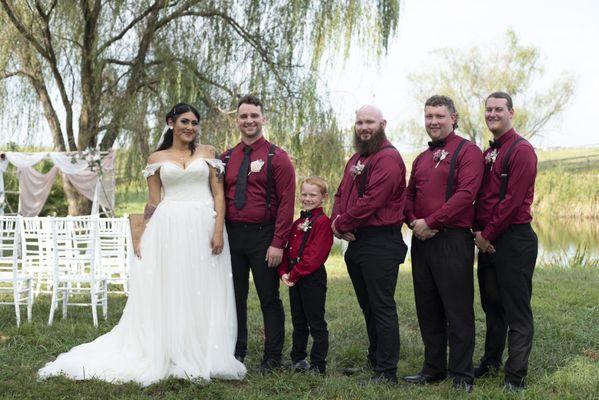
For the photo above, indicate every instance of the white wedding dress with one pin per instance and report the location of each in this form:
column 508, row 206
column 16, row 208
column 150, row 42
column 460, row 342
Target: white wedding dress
column 180, row 317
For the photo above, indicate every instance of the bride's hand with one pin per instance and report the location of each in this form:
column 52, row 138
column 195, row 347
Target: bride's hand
column 217, row 243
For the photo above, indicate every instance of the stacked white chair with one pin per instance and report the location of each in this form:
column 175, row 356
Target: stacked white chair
column 76, row 267
column 114, row 243
column 15, row 279
column 37, row 251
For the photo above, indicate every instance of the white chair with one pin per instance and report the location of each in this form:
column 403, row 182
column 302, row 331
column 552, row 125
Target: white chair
column 76, row 268
column 114, row 243
column 14, row 281
column 37, row 251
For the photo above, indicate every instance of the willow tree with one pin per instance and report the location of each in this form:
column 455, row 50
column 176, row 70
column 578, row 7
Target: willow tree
column 469, row 76
column 104, row 72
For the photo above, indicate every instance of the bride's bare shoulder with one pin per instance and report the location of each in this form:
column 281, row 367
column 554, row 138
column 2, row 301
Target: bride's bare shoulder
column 157, row 156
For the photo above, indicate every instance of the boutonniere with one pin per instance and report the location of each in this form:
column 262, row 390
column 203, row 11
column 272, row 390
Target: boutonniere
column 491, row 157
column 357, row 169
column 256, row 166
column 439, row 155
column 305, row 226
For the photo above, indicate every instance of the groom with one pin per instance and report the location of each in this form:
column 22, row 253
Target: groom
column 260, row 195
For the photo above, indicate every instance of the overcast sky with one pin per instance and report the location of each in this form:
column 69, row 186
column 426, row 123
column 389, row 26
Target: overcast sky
column 566, row 33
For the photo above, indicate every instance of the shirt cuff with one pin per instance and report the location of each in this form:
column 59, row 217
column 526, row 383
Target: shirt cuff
column 293, row 276
column 278, row 243
column 488, row 234
column 432, row 223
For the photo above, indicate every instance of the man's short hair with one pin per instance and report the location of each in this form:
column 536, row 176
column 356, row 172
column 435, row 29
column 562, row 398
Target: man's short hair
column 439, row 101
column 502, row 95
column 250, row 99
column 317, row 181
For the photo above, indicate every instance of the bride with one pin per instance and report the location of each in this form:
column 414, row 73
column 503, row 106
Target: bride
column 180, row 317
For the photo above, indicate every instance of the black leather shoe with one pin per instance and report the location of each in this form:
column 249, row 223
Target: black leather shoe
column 463, row 385
column 300, row 366
column 485, row 369
column 379, row 379
column 368, row 366
column 315, row 369
column 239, row 358
column 269, row 365
column 421, row 379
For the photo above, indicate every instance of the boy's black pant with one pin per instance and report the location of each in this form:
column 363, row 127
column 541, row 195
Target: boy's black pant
column 443, row 274
column 307, row 300
column 505, row 279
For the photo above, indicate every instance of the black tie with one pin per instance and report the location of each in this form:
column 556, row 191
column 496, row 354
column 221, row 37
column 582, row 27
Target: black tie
column 305, row 214
column 242, row 179
column 436, row 143
column 494, row 144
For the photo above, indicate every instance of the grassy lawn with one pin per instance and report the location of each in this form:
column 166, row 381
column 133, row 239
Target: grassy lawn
column 564, row 363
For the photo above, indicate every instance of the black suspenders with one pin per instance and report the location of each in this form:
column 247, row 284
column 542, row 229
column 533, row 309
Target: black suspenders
column 364, row 173
column 504, row 170
column 450, row 177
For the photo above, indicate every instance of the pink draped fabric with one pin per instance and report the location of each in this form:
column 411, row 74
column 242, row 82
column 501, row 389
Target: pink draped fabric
column 35, row 188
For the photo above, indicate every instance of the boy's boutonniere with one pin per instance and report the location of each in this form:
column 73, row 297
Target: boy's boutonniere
column 439, row 155
column 256, row 166
column 305, row 226
column 357, row 169
column 491, row 157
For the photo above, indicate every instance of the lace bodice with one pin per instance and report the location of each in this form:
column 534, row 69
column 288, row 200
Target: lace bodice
column 185, row 184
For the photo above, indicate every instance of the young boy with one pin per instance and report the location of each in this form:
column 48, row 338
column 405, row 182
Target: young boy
column 302, row 269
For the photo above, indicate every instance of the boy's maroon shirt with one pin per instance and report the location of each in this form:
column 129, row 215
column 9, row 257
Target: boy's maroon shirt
column 317, row 248
column 492, row 216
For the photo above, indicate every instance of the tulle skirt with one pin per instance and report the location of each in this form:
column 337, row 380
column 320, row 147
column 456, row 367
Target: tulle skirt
column 179, row 320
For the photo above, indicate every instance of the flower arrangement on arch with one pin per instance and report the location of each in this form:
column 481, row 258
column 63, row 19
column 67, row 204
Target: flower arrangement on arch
column 93, row 158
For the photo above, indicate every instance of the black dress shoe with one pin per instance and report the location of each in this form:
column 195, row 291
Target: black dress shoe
column 239, row 358
column 485, row 369
column 421, row 379
column 300, row 366
column 368, row 366
column 315, row 369
column 463, row 385
column 269, row 365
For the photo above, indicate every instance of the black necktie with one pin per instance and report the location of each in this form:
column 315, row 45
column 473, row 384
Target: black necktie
column 305, row 214
column 494, row 144
column 436, row 143
column 242, row 179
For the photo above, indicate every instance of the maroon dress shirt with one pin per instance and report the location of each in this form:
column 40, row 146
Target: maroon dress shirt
column 317, row 248
column 492, row 216
column 428, row 183
column 385, row 195
column 283, row 197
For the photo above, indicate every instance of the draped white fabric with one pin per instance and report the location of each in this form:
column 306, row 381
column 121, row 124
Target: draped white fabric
column 24, row 160
column 35, row 188
column 3, row 167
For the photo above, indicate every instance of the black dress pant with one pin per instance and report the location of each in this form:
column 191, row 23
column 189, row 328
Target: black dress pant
column 373, row 264
column 248, row 244
column 307, row 301
column 505, row 279
column 443, row 274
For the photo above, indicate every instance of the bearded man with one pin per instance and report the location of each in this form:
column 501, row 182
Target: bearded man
column 368, row 213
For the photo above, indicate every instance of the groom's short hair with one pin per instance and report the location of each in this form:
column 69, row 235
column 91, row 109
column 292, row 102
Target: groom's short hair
column 250, row 99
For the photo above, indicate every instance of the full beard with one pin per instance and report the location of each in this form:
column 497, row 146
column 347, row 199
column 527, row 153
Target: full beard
column 370, row 146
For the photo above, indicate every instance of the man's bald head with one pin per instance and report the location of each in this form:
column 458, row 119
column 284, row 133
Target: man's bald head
column 369, row 129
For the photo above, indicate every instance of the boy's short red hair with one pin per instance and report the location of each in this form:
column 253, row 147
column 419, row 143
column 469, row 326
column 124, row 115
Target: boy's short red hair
column 317, row 181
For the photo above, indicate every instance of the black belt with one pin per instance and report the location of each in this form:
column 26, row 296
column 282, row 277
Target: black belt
column 249, row 225
column 377, row 230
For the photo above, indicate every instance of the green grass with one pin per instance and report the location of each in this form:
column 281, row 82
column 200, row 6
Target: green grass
column 564, row 363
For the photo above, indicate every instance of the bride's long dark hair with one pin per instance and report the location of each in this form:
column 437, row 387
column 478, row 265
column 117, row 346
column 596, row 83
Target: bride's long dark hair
column 173, row 114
